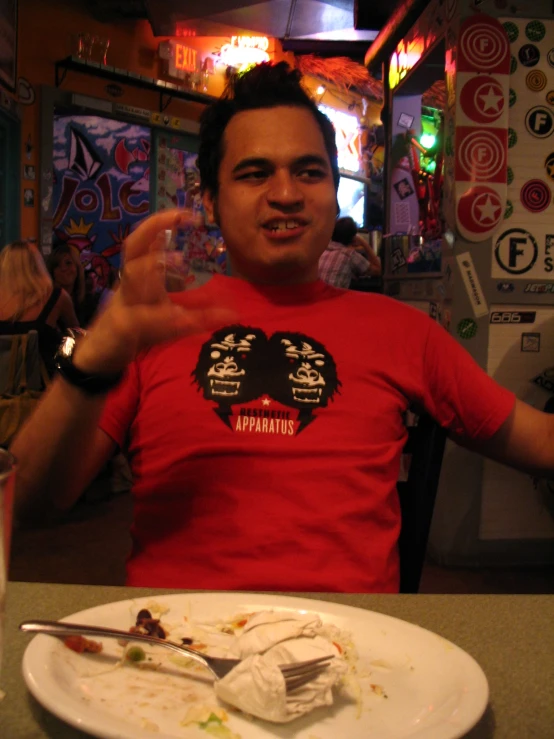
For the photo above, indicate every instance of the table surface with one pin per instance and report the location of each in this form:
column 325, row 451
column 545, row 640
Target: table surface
column 510, row 636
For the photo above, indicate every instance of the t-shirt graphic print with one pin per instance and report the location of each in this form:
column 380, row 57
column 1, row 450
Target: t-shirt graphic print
column 245, row 372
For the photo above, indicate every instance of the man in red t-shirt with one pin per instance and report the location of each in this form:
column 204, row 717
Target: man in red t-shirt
column 262, row 413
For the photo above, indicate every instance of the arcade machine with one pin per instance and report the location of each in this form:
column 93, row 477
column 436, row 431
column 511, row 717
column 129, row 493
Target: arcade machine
column 470, row 237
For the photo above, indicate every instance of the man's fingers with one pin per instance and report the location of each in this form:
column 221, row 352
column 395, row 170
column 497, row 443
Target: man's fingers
column 143, row 279
column 169, row 321
column 141, row 239
column 198, row 299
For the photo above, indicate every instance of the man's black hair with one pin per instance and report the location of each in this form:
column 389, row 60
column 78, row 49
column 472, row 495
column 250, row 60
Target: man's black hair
column 345, row 230
column 265, row 86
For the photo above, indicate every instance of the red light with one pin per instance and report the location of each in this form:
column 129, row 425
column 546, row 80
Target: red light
column 181, row 30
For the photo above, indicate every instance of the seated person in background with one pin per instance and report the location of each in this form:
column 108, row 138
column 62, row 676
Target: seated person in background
column 340, row 263
column 262, row 413
column 64, row 264
column 91, row 301
column 29, row 301
column 109, row 291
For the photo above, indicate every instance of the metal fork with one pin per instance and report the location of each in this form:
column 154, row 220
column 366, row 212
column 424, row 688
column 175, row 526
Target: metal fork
column 296, row 674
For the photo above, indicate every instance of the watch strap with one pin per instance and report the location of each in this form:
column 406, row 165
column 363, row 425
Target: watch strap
column 90, row 384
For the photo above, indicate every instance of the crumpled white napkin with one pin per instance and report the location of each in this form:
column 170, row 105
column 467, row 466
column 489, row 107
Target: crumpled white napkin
column 267, row 628
column 257, row 686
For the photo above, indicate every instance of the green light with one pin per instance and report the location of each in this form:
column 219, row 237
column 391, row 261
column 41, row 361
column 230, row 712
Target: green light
column 427, row 140
column 245, row 68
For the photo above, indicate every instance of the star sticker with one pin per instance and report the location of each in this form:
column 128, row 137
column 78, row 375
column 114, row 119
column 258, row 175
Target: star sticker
column 550, row 169
column 491, row 99
column 266, row 401
column 488, row 208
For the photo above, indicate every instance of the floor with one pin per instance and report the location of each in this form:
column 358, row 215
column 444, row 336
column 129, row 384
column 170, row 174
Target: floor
column 90, row 545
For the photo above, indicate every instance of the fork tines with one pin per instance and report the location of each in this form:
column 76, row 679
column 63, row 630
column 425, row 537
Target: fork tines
column 298, row 668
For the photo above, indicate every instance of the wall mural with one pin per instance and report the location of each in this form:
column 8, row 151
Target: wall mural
column 101, row 187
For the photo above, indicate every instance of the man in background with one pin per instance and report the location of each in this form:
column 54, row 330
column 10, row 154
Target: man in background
column 341, row 262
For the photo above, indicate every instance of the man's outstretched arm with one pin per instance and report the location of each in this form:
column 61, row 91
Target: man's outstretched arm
column 524, row 441
column 60, row 448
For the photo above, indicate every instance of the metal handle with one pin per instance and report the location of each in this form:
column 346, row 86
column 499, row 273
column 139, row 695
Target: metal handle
column 62, row 628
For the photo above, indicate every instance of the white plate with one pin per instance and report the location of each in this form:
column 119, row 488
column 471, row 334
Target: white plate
column 433, row 688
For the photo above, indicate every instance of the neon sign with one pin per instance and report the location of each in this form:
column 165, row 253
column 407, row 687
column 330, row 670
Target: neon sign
column 245, row 50
column 404, row 58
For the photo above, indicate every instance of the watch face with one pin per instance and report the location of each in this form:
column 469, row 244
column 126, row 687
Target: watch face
column 67, row 347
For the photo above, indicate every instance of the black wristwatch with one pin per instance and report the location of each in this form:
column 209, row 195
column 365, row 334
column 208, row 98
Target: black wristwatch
column 90, row 384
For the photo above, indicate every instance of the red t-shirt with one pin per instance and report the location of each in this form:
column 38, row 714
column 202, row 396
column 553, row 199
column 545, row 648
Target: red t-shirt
column 265, row 455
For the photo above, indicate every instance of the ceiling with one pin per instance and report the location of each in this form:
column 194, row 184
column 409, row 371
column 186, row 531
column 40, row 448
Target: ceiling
column 324, row 27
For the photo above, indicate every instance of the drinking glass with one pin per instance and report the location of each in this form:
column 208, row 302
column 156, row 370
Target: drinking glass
column 7, row 484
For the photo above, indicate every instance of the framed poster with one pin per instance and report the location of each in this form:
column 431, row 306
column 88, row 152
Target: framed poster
column 8, row 44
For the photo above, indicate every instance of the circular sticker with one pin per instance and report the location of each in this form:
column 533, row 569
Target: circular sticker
column 529, row 55
column 550, row 57
column 550, row 97
column 480, row 209
column 482, row 155
column 535, row 195
column 483, row 43
column 508, row 211
column 482, row 99
column 509, row 175
column 539, row 121
column 512, row 31
column 516, row 251
column 549, row 165
column 536, row 80
column 467, row 328
column 512, row 98
column 512, row 138
column 513, row 64
column 535, row 31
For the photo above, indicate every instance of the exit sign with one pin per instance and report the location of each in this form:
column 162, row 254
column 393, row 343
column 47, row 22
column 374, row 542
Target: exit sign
column 181, row 59
column 184, row 58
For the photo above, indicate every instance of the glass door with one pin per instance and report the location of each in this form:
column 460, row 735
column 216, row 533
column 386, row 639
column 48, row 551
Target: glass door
column 175, row 183
column 174, row 180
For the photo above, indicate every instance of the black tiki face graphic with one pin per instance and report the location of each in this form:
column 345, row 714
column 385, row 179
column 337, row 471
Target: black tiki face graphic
column 303, row 373
column 239, row 364
column 229, row 368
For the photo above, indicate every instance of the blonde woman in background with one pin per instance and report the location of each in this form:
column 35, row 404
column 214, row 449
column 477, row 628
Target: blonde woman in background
column 66, row 269
column 29, row 301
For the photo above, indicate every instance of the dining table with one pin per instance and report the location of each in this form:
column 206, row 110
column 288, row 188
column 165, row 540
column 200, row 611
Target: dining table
column 510, row 636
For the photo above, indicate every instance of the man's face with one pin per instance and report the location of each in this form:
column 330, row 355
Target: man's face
column 276, row 204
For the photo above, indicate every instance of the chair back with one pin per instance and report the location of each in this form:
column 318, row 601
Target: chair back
column 23, row 378
column 417, row 491
column 26, row 368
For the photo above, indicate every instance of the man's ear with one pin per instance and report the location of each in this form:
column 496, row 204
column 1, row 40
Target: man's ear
column 210, row 206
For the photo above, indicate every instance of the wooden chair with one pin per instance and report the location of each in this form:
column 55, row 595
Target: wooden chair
column 23, row 378
column 28, row 366
column 417, row 492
